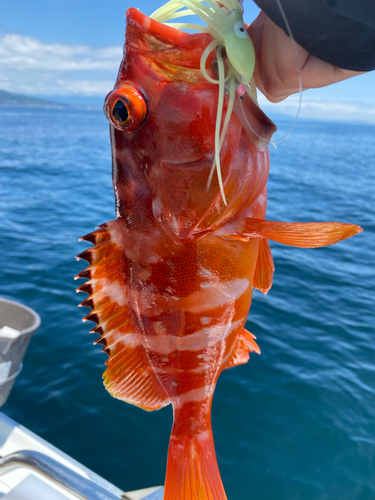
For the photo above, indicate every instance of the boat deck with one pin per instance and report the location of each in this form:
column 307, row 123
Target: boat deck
column 33, row 469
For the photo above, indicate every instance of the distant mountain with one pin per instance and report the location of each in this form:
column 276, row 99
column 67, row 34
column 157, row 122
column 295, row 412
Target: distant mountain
column 25, row 101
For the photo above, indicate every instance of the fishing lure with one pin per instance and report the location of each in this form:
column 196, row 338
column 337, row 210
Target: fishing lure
column 170, row 280
column 229, row 34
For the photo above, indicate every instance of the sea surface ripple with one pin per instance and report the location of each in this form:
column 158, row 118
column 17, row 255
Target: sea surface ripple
column 297, row 422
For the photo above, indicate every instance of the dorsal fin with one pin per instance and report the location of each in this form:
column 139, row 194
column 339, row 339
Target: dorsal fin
column 129, row 375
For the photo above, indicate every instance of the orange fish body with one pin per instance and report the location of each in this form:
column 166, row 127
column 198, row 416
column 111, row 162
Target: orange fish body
column 171, row 279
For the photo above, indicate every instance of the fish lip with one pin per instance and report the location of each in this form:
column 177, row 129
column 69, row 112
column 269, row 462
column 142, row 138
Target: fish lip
column 142, row 32
column 164, row 33
column 192, row 163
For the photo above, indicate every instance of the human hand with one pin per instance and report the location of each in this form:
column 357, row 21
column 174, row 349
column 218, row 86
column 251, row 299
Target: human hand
column 276, row 71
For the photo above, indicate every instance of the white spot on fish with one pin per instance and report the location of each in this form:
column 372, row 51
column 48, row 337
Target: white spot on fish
column 125, row 341
column 160, row 327
column 144, row 274
column 194, row 396
column 205, row 273
column 206, row 320
column 203, row 339
column 216, row 295
column 261, row 199
column 114, row 290
column 206, row 284
column 203, row 435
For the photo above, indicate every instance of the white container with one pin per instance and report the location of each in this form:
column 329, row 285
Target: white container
column 17, row 324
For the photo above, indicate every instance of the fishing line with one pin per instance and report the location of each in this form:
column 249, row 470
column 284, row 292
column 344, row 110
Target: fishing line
column 282, row 12
column 228, row 115
column 294, row 45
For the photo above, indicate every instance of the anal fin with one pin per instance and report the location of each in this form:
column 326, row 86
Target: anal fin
column 265, row 267
column 129, row 375
column 244, row 344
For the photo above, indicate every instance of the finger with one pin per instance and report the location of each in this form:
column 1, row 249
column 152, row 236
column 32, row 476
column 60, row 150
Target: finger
column 317, row 73
column 256, row 28
column 281, row 62
column 263, row 53
column 255, row 31
column 270, row 81
column 292, row 60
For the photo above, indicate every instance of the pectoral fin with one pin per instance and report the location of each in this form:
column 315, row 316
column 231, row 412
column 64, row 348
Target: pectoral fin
column 298, row 234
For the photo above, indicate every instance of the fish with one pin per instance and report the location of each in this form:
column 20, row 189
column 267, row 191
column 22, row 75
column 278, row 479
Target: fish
column 170, row 279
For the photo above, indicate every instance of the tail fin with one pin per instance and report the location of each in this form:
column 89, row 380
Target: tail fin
column 192, row 470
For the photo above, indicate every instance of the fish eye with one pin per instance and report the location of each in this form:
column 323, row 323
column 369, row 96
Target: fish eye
column 120, row 112
column 240, row 30
column 125, row 107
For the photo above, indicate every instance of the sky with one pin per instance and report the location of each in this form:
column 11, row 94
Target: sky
column 70, row 51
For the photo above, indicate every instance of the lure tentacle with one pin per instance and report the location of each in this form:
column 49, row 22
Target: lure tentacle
column 225, row 24
column 218, row 120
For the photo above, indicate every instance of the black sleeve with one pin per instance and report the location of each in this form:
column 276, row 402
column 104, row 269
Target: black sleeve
column 341, row 32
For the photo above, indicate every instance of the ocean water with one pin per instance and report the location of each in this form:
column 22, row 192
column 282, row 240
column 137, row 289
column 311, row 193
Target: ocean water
column 297, row 422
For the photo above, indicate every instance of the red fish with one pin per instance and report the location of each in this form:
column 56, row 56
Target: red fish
column 171, row 279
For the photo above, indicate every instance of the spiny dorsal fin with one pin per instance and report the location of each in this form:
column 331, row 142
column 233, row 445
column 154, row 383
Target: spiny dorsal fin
column 129, row 375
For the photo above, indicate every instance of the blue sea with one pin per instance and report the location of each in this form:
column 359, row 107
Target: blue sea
column 297, row 422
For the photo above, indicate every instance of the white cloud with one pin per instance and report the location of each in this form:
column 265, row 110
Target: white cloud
column 46, row 86
column 30, row 66
column 18, row 52
column 323, row 109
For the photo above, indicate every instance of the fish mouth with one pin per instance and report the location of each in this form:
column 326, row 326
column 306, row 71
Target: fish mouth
column 191, row 163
